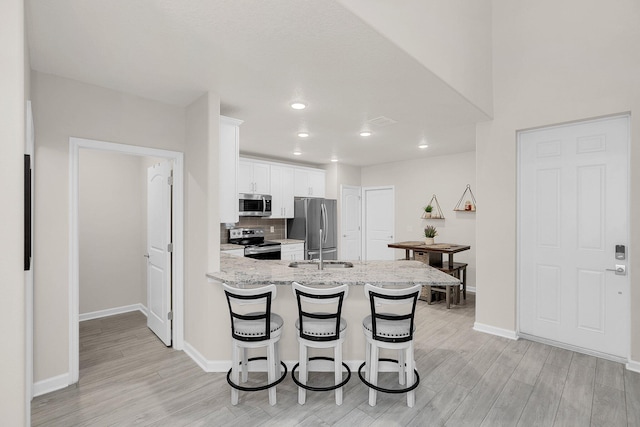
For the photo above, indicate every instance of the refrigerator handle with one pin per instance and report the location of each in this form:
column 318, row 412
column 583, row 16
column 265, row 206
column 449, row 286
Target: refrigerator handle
column 326, row 223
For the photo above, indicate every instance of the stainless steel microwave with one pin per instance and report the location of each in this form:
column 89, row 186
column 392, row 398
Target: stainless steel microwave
column 254, row 204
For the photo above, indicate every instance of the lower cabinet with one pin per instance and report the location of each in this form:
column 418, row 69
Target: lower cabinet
column 292, row 252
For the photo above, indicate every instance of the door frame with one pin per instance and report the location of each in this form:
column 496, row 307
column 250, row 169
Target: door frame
column 30, row 150
column 363, row 213
column 342, row 208
column 75, row 144
column 519, row 223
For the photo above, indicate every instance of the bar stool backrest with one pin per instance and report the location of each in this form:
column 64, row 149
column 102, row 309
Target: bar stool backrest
column 380, row 297
column 308, row 297
column 259, row 297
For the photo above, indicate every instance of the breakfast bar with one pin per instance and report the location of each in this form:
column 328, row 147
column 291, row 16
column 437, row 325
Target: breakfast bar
column 245, row 272
column 239, row 271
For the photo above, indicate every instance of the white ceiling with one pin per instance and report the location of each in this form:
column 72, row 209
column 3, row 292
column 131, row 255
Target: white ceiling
column 259, row 56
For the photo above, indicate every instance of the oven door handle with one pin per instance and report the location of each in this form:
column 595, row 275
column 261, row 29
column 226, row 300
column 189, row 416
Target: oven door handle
column 262, row 250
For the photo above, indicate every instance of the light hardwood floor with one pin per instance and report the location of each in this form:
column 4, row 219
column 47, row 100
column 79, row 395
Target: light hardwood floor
column 127, row 377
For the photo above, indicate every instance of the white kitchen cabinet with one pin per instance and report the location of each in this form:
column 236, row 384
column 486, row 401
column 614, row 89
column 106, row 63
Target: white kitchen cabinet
column 309, row 182
column 254, row 177
column 292, row 252
column 282, row 191
column 234, row 252
column 228, row 169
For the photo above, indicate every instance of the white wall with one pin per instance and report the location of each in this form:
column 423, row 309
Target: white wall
column 415, row 182
column 112, row 230
column 65, row 108
column 554, row 62
column 13, row 408
column 206, row 304
column 452, row 38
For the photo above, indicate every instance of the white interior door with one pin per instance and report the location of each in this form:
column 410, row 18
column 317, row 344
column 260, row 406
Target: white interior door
column 158, row 251
column 573, row 212
column 378, row 220
column 351, row 216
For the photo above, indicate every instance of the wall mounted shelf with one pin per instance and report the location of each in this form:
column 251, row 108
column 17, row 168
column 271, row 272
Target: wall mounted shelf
column 469, row 204
column 436, row 213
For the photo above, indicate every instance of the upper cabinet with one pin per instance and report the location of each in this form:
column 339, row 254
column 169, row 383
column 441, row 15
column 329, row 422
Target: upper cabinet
column 228, row 168
column 254, row 177
column 282, row 191
column 309, row 182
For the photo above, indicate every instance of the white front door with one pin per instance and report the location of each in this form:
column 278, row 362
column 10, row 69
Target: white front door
column 573, row 211
column 379, row 210
column 158, row 252
column 350, row 224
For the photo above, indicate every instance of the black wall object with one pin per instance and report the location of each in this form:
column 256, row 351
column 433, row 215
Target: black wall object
column 27, row 212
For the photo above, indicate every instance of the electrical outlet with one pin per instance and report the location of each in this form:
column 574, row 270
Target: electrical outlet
column 272, row 229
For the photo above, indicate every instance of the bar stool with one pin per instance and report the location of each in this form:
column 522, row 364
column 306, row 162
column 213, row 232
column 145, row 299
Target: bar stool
column 390, row 330
column 320, row 329
column 254, row 329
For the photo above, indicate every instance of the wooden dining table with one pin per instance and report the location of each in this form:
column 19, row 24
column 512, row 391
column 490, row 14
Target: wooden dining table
column 432, row 255
column 435, row 251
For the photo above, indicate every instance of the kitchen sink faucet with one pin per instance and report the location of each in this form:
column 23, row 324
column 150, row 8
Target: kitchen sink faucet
column 321, row 259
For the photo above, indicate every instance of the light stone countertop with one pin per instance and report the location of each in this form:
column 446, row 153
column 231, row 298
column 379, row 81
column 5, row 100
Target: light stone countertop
column 240, row 271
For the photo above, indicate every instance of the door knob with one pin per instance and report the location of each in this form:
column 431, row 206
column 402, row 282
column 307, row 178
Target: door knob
column 620, row 270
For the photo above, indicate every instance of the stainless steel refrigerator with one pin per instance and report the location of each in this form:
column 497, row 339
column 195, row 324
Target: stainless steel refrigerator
column 309, row 216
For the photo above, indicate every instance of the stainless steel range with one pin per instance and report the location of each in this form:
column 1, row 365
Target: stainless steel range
column 254, row 244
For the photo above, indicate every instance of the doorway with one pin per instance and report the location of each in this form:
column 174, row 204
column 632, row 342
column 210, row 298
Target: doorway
column 177, row 291
column 378, row 212
column 573, row 222
column 350, row 229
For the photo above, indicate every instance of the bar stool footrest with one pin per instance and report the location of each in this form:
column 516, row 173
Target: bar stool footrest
column 312, row 388
column 258, row 388
column 389, row 390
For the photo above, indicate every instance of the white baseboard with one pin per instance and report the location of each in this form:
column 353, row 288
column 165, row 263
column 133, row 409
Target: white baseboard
column 488, row 329
column 51, row 384
column 634, row 366
column 471, row 289
column 113, row 312
column 204, row 363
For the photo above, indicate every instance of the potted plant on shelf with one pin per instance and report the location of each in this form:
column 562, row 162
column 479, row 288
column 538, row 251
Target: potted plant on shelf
column 427, row 211
column 430, row 233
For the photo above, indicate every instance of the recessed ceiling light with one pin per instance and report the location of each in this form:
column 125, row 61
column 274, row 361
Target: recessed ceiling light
column 423, row 146
column 334, row 160
column 297, row 153
column 298, row 105
column 303, row 134
column 365, row 133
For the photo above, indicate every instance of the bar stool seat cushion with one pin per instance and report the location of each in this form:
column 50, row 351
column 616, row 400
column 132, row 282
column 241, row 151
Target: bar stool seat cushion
column 388, row 328
column 320, row 327
column 250, row 328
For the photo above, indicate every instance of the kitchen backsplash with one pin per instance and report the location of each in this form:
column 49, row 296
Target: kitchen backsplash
column 279, row 227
